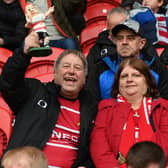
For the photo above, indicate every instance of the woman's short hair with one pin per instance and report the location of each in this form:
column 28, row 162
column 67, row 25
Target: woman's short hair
column 143, row 68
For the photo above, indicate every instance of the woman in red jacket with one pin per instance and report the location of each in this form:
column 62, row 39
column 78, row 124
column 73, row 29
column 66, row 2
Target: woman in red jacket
column 134, row 114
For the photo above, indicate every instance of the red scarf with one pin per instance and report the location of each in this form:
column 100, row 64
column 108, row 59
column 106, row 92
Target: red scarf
column 138, row 127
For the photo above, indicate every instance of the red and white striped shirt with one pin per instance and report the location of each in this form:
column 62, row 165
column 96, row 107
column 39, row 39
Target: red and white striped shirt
column 38, row 24
column 162, row 29
column 62, row 146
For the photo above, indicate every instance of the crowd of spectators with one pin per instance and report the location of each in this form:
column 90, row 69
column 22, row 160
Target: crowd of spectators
column 99, row 111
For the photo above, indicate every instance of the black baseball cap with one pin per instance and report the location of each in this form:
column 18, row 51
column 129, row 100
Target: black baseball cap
column 129, row 24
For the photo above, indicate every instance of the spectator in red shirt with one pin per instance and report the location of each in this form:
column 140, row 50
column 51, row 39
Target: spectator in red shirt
column 55, row 116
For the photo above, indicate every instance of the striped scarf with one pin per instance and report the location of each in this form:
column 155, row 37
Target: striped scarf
column 138, row 127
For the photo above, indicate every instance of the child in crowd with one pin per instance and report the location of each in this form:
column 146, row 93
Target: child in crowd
column 161, row 15
column 152, row 16
column 155, row 5
column 12, row 21
column 161, row 18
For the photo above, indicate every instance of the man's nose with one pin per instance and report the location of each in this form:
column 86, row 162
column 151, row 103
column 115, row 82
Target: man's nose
column 124, row 40
column 71, row 70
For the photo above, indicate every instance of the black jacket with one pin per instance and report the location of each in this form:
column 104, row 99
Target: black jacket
column 12, row 24
column 102, row 42
column 102, row 46
column 36, row 107
column 164, row 56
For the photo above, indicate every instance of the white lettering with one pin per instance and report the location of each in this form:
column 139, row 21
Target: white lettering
column 74, row 139
column 58, row 135
column 64, row 136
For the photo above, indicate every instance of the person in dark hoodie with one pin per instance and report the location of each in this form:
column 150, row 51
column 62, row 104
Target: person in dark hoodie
column 114, row 17
column 12, row 24
column 104, row 43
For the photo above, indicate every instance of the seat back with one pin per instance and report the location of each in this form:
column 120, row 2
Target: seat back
column 42, row 68
column 90, row 33
column 4, row 54
column 5, row 118
column 97, row 11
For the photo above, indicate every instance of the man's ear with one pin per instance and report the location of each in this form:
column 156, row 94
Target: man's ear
column 142, row 43
column 160, row 3
column 113, row 38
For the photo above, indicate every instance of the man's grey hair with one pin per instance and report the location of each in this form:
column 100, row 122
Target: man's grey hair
column 75, row 52
column 118, row 10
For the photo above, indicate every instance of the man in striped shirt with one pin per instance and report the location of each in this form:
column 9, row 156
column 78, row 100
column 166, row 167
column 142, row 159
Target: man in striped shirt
column 55, row 116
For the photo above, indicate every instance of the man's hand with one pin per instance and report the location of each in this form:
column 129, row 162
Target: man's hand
column 32, row 40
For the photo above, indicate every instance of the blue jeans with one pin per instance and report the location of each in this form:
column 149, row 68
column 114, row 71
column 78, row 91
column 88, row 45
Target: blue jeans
column 65, row 43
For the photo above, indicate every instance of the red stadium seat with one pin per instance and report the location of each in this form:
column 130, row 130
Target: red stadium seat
column 90, row 33
column 97, row 11
column 5, row 118
column 4, row 54
column 42, row 70
column 118, row 1
column 87, row 49
column 1, row 66
column 5, row 112
column 23, row 4
column 114, row 2
column 42, row 67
